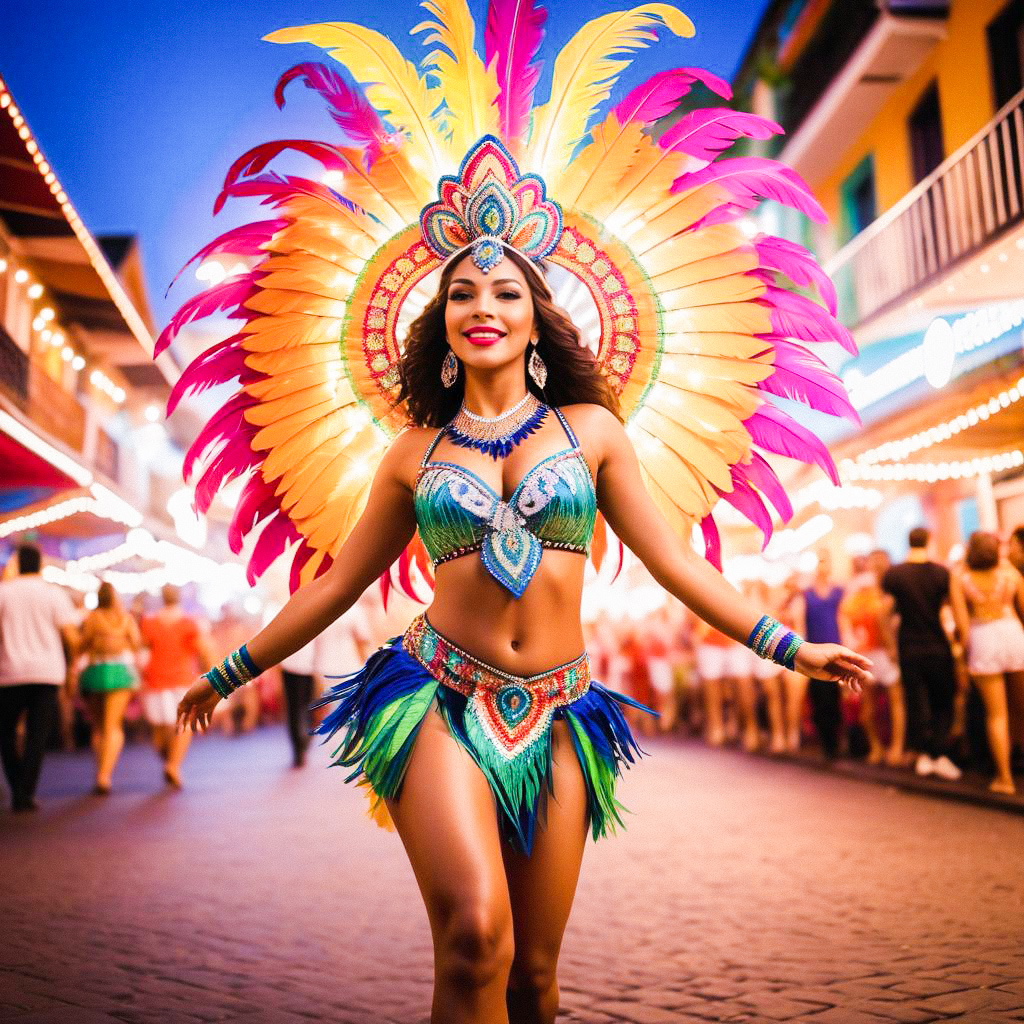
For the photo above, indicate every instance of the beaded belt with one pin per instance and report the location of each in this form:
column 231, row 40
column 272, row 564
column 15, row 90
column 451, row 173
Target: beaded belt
column 513, row 711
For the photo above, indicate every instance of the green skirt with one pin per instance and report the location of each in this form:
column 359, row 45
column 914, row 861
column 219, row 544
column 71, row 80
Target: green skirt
column 104, row 676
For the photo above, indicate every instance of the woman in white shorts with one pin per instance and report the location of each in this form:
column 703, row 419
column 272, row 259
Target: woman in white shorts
column 767, row 674
column 982, row 593
column 722, row 665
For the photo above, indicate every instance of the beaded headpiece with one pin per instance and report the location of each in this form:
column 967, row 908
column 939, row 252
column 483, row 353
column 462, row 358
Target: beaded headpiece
column 692, row 322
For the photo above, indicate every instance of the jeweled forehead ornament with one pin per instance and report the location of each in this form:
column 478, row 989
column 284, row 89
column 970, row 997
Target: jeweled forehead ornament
column 489, row 205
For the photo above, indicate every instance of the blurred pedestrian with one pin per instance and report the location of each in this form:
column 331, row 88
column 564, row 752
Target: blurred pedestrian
column 1015, row 553
column 38, row 637
column 919, row 588
column 344, row 646
column 767, row 674
column 178, row 652
column 983, row 593
column 720, row 663
column 297, row 686
column 656, row 640
column 819, row 609
column 865, row 616
column 110, row 640
column 794, row 684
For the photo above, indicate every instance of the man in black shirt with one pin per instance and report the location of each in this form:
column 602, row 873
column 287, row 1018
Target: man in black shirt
column 919, row 588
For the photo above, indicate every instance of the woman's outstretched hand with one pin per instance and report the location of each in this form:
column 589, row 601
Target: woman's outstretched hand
column 196, row 707
column 834, row 662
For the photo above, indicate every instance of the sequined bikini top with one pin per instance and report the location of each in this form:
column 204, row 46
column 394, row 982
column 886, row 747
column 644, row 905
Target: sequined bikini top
column 554, row 506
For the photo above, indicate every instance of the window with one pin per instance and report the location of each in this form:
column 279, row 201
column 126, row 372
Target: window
column 925, row 123
column 857, row 194
column 1006, row 52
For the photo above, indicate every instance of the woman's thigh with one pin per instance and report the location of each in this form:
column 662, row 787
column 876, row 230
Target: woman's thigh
column 993, row 694
column 446, row 818
column 542, row 886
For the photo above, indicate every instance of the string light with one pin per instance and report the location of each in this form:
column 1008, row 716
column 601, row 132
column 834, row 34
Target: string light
column 897, row 450
column 100, row 502
column 930, row 472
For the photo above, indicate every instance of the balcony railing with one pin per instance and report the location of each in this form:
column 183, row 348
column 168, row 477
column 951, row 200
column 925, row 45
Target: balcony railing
column 13, row 368
column 968, row 201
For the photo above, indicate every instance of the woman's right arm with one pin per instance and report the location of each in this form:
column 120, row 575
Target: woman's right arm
column 958, row 601
column 385, row 527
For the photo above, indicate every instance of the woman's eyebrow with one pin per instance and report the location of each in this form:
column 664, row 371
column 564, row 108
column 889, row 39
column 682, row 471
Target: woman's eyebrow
column 501, row 280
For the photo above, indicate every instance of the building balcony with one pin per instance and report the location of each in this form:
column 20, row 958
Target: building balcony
column 954, row 241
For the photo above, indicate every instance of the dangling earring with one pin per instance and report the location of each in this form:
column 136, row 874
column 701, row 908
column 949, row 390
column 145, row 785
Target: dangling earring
column 449, row 369
column 536, row 368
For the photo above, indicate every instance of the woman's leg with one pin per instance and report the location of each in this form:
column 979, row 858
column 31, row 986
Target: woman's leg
column 94, row 702
column 898, row 720
column 112, row 742
column 177, row 748
column 796, row 692
column 447, row 820
column 542, row 887
column 993, row 693
column 868, row 710
column 776, row 713
column 713, row 712
column 746, row 699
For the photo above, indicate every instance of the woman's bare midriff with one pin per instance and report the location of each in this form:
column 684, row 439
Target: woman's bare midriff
column 524, row 637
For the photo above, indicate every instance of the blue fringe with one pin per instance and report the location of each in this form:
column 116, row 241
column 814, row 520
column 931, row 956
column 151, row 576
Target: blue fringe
column 502, row 446
column 381, row 707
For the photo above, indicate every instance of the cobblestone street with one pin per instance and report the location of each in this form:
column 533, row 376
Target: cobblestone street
column 743, row 890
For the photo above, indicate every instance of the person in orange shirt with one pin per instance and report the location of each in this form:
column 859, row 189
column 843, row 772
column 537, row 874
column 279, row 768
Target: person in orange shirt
column 178, row 653
column 865, row 618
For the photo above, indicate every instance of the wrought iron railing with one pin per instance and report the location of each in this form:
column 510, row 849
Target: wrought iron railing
column 13, row 368
column 968, row 201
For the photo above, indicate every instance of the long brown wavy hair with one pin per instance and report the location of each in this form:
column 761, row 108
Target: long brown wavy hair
column 573, row 373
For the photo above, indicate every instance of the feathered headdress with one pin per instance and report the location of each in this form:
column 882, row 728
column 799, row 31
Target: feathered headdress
column 694, row 325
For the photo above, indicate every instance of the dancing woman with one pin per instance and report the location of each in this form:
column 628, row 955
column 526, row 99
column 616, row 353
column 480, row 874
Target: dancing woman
column 494, row 432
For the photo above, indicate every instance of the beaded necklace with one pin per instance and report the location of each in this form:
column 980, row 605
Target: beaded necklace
column 496, row 436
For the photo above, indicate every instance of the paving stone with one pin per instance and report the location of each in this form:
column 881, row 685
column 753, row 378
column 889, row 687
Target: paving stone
column 743, row 891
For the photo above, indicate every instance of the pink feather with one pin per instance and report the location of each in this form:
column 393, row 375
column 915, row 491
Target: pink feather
column 384, row 580
column 515, row 30
column 257, row 159
column 798, row 264
column 276, row 536
column 217, row 365
column 770, row 428
column 228, row 294
column 749, row 179
column 762, row 476
column 247, row 240
column 226, row 424
column 661, row 93
column 748, row 503
column 801, row 376
column 351, row 110
column 232, row 461
column 255, row 503
column 709, row 131
column 796, row 316
column 277, row 190
column 302, row 555
column 712, row 541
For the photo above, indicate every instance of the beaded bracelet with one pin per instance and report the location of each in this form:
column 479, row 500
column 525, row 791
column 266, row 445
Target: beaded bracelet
column 234, row 671
column 771, row 640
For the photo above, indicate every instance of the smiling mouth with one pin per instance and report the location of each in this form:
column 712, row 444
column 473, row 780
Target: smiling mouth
column 483, row 336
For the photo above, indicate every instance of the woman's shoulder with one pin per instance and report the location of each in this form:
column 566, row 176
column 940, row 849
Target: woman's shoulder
column 590, row 418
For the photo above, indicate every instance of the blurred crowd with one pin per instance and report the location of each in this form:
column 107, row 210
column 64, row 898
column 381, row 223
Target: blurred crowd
column 946, row 643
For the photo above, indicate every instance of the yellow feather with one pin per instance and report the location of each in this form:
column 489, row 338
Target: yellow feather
column 733, row 317
column 713, row 343
column 735, row 288
column 273, row 301
column 290, row 331
column 680, row 522
column 469, row 89
column 688, row 445
column 309, row 403
column 597, row 171
column 392, row 84
column 585, row 72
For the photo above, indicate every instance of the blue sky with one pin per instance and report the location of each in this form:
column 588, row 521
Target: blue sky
column 142, row 107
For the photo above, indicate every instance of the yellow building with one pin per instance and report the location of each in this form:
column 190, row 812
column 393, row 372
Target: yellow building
column 907, row 120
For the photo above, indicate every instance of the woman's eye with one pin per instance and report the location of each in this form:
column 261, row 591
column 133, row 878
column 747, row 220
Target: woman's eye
column 458, row 296
column 510, row 295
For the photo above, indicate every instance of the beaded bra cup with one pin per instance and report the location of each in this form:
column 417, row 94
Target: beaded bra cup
column 554, row 506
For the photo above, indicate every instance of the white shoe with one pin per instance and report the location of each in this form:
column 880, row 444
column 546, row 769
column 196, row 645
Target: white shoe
column 945, row 769
column 924, row 765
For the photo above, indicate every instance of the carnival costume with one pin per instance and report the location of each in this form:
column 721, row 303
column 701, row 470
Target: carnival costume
column 689, row 319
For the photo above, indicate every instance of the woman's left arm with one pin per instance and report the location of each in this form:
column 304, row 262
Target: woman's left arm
column 637, row 522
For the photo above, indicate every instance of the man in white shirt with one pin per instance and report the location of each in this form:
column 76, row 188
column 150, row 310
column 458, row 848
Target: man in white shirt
column 37, row 620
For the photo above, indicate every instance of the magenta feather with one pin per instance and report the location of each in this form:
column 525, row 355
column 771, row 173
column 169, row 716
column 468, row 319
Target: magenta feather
column 247, row 240
column 801, row 376
column 763, row 477
column 217, row 365
column 277, row 189
column 798, row 264
column 227, row 423
column 661, row 93
column 352, row 111
column 276, row 536
column 775, row 431
column 302, row 555
column 514, row 32
column 709, row 131
column 748, row 503
column 255, row 503
column 749, row 179
column 385, row 588
column 233, row 460
column 796, row 316
column 228, row 294
column 712, row 541
column 256, row 160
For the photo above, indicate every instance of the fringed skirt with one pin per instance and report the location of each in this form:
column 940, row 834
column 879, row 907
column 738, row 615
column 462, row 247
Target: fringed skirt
column 503, row 721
